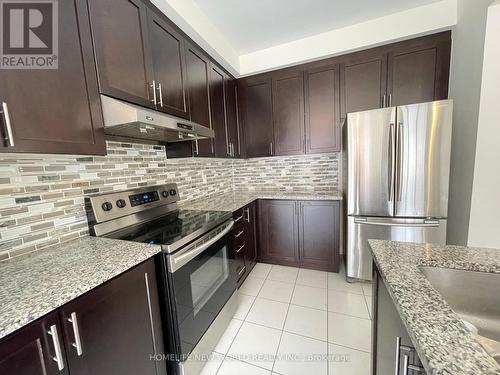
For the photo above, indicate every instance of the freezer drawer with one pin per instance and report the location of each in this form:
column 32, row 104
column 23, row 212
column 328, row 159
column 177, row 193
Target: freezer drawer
column 362, row 229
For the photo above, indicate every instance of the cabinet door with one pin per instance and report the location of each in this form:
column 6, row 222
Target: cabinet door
column 115, row 328
column 414, row 75
column 278, row 232
column 288, row 113
column 167, row 48
column 32, row 350
column 218, row 112
column 322, row 109
column 251, row 234
column 121, row 46
column 257, row 111
column 197, row 69
column 232, row 117
column 364, row 83
column 319, row 235
column 55, row 110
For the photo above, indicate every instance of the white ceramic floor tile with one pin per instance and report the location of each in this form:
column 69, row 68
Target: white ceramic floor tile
column 256, row 344
column 316, row 279
column 298, row 355
column 367, row 288
column 338, row 282
column 228, row 336
column 268, row 313
column 346, row 361
column 251, row 286
column 244, row 304
column 349, row 331
column 233, row 367
column 213, row 364
column 306, row 321
column 283, row 274
column 261, row 270
column 347, row 303
column 310, row 297
column 277, row 290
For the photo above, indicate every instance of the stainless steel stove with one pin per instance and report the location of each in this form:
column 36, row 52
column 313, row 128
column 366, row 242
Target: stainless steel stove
column 198, row 273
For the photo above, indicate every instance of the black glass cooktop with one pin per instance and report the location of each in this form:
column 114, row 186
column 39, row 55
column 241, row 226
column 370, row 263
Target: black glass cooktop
column 174, row 229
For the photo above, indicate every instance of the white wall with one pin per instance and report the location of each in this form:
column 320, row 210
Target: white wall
column 465, row 86
column 484, row 226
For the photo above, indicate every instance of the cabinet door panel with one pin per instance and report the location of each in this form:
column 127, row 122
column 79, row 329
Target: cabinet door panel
column 319, row 235
column 119, row 326
column 168, row 66
column 30, row 350
column 322, row 109
column 57, row 110
column 250, row 230
column 257, row 110
column 122, row 52
column 232, row 116
column 288, row 114
column 364, row 81
column 278, row 232
column 217, row 109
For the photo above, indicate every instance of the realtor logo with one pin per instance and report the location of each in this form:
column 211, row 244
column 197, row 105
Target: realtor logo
column 29, row 34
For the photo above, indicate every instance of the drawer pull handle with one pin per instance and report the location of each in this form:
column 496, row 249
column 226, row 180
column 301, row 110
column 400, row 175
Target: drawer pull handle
column 58, row 358
column 239, row 233
column 240, row 248
column 242, row 271
column 238, row 218
column 76, row 333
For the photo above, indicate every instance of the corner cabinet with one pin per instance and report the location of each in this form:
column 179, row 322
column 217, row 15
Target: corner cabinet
column 113, row 329
column 55, row 110
column 300, row 233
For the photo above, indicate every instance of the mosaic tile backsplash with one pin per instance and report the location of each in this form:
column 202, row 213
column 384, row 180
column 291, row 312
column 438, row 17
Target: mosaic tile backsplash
column 42, row 196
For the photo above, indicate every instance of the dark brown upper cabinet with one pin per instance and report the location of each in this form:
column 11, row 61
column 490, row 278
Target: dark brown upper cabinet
column 122, row 50
column 167, row 48
column 364, row 82
column 55, row 110
column 233, row 134
column 218, row 111
column 256, row 108
column 288, row 113
column 322, row 109
column 198, row 84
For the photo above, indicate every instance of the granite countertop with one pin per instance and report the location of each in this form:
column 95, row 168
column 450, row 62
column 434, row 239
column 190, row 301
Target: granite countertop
column 38, row 283
column 443, row 343
column 237, row 199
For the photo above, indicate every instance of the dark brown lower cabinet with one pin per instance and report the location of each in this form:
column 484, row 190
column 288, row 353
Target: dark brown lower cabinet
column 113, row 329
column 300, row 233
column 245, row 240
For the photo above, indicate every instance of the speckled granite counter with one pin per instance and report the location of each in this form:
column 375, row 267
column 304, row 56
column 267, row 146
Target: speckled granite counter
column 442, row 341
column 235, row 200
column 38, row 283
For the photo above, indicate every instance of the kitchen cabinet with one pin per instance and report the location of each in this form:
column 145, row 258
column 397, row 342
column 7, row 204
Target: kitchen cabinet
column 288, row 113
column 390, row 340
column 218, row 111
column 245, row 245
column 233, row 131
column 167, row 50
column 35, row 349
column 113, row 329
column 122, row 50
column 250, row 217
column 322, row 109
column 299, row 233
column 256, row 108
column 55, row 110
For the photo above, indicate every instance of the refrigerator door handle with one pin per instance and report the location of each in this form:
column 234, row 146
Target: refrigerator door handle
column 399, row 159
column 392, row 162
column 391, row 223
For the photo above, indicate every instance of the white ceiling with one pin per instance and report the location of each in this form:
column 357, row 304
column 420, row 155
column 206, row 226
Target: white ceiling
column 252, row 25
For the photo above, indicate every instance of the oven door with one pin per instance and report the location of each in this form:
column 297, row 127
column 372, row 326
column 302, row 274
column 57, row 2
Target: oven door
column 201, row 278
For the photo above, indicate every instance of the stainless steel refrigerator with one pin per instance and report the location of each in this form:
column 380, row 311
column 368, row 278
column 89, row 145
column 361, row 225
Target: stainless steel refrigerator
column 397, row 166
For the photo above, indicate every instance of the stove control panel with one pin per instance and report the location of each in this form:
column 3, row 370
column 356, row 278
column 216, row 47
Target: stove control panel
column 104, row 207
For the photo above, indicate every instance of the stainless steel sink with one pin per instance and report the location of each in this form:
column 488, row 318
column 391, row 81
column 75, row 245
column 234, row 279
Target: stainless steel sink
column 474, row 296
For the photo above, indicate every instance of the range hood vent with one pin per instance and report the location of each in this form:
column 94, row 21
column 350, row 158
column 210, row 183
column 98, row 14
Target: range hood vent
column 132, row 121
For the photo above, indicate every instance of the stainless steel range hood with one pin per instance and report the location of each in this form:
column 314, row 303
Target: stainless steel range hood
column 132, row 121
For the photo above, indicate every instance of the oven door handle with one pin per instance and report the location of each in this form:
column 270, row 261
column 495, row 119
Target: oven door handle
column 176, row 261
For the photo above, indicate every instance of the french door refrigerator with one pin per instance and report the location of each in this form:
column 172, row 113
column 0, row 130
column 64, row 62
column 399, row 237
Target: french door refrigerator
column 398, row 164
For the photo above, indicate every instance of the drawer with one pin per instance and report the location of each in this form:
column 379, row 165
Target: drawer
column 238, row 216
column 239, row 233
column 239, row 250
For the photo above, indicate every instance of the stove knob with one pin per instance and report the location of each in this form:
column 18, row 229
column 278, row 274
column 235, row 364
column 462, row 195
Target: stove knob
column 121, row 203
column 164, row 194
column 173, row 192
column 106, row 206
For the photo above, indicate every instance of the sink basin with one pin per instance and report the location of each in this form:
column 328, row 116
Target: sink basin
column 474, row 296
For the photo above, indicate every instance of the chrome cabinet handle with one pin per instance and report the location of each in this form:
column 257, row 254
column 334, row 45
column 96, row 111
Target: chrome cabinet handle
column 228, row 150
column 390, row 100
column 247, row 214
column 271, row 147
column 240, row 248
column 242, row 271
column 8, row 126
column 151, row 323
column 232, row 149
column 396, row 362
column 384, row 102
column 58, row 358
column 161, row 94
column 238, row 218
column 196, row 150
column 239, row 233
column 153, row 86
column 405, row 364
column 76, row 333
